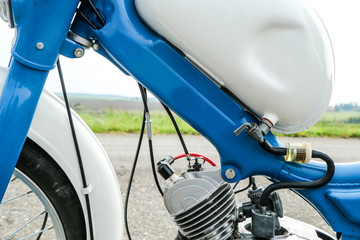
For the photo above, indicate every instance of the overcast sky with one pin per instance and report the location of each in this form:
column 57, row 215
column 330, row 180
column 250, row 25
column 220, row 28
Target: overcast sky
column 93, row 74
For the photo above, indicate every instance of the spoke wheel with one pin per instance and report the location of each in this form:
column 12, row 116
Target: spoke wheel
column 41, row 219
column 40, row 202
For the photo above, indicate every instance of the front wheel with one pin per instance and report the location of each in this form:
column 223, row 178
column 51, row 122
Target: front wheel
column 40, row 202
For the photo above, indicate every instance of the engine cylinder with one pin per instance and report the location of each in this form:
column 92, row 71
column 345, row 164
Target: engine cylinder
column 203, row 207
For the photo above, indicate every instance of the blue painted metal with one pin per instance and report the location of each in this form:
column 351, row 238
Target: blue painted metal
column 134, row 47
column 17, row 106
column 68, row 48
column 36, row 21
column 41, row 21
column 347, row 202
column 330, row 200
column 181, row 86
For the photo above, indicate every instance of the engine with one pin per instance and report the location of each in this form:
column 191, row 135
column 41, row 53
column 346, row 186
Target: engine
column 204, row 206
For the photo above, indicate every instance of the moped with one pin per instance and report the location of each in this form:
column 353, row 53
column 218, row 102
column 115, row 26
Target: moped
column 235, row 70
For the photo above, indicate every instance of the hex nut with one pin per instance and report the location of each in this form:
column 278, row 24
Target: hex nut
column 79, row 52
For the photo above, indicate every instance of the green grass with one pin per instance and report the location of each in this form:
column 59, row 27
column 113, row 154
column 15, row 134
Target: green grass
column 344, row 124
column 333, row 124
column 114, row 121
column 329, row 129
column 342, row 116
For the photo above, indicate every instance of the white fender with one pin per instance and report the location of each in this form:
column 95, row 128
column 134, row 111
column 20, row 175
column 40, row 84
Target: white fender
column 51, row 131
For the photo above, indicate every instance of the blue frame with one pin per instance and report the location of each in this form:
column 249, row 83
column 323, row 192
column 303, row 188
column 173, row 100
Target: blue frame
column 28, row 70
column 127, row 42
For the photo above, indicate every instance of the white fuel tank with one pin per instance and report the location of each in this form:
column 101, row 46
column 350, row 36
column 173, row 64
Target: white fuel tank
column 274, row 55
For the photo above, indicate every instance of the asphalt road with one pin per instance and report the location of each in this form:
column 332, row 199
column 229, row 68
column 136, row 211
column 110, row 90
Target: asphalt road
column 148, row 218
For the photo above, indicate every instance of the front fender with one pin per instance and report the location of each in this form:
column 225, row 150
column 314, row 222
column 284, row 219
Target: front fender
column 50, row 129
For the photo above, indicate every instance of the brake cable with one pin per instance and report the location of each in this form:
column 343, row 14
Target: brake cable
column 132, row 176
column 96, row 11
column 149, row 136
column 146, row 123
column 77, row 148
column 177, row 131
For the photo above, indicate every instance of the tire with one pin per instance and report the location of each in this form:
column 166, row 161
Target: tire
column 57, row 195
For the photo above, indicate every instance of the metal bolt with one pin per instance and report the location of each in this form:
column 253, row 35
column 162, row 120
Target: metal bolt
column 96, row 46
column 79, row 52
column 230, row 173
column 39, row 45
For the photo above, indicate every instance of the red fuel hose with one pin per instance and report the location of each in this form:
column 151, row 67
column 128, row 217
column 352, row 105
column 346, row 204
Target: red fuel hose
column 212, row 163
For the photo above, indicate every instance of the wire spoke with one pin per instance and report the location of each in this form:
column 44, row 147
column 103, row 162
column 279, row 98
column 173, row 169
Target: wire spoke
column 13, row 179
column 39, row 232
column 16, row 197
column 23, row 226
column 43, row 226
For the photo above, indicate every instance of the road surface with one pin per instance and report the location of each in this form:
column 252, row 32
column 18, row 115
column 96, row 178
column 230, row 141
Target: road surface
column 147, row 216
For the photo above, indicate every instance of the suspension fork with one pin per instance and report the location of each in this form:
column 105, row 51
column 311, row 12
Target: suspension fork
column 41, row 29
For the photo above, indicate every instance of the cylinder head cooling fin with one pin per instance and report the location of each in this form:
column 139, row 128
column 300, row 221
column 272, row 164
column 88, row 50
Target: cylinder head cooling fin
column 202, row 205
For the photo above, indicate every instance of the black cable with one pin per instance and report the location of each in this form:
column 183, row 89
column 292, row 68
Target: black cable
column 86, row 19
column 177, row 130
column 43, row 226
column 274, row 150
column 144, row 97
column 251, row 180
column 297, row 185
column 132, row 176
column 152, row 159
column 154, row 168
column 77, row 148
column 98, row 15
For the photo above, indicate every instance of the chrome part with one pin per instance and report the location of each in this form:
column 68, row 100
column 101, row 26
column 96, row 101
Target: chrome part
column 148, row 125
column 37, row 233
column 242, row 128
column 230, row 173
column 202, row 205
column 78, row 52
column 40, row 46
column 22, row 224
column 96, row 46
column 254, row 130
column 16, row 197
column 80, row 40
column 5, row 12
column 26, row 224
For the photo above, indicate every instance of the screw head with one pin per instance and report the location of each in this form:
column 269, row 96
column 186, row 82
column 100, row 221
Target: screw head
column 230, row 173
column 79, row 52
column 96, row 46
column 40, row 46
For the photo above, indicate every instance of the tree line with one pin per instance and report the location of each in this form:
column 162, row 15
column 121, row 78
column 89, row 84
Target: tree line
column 347, row 107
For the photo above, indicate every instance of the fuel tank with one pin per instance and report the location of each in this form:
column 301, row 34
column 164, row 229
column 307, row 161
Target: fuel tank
column 274, row 55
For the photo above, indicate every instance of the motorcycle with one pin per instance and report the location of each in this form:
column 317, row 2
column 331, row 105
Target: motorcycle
column 235, row 71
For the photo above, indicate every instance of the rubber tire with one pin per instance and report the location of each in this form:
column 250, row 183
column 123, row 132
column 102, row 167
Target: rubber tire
column 49, row 177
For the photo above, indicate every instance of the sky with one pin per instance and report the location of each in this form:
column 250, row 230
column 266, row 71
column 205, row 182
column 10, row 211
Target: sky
column 94, row 74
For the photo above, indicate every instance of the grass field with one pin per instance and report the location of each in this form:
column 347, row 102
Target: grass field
column 115, row 121
column 345, row 124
